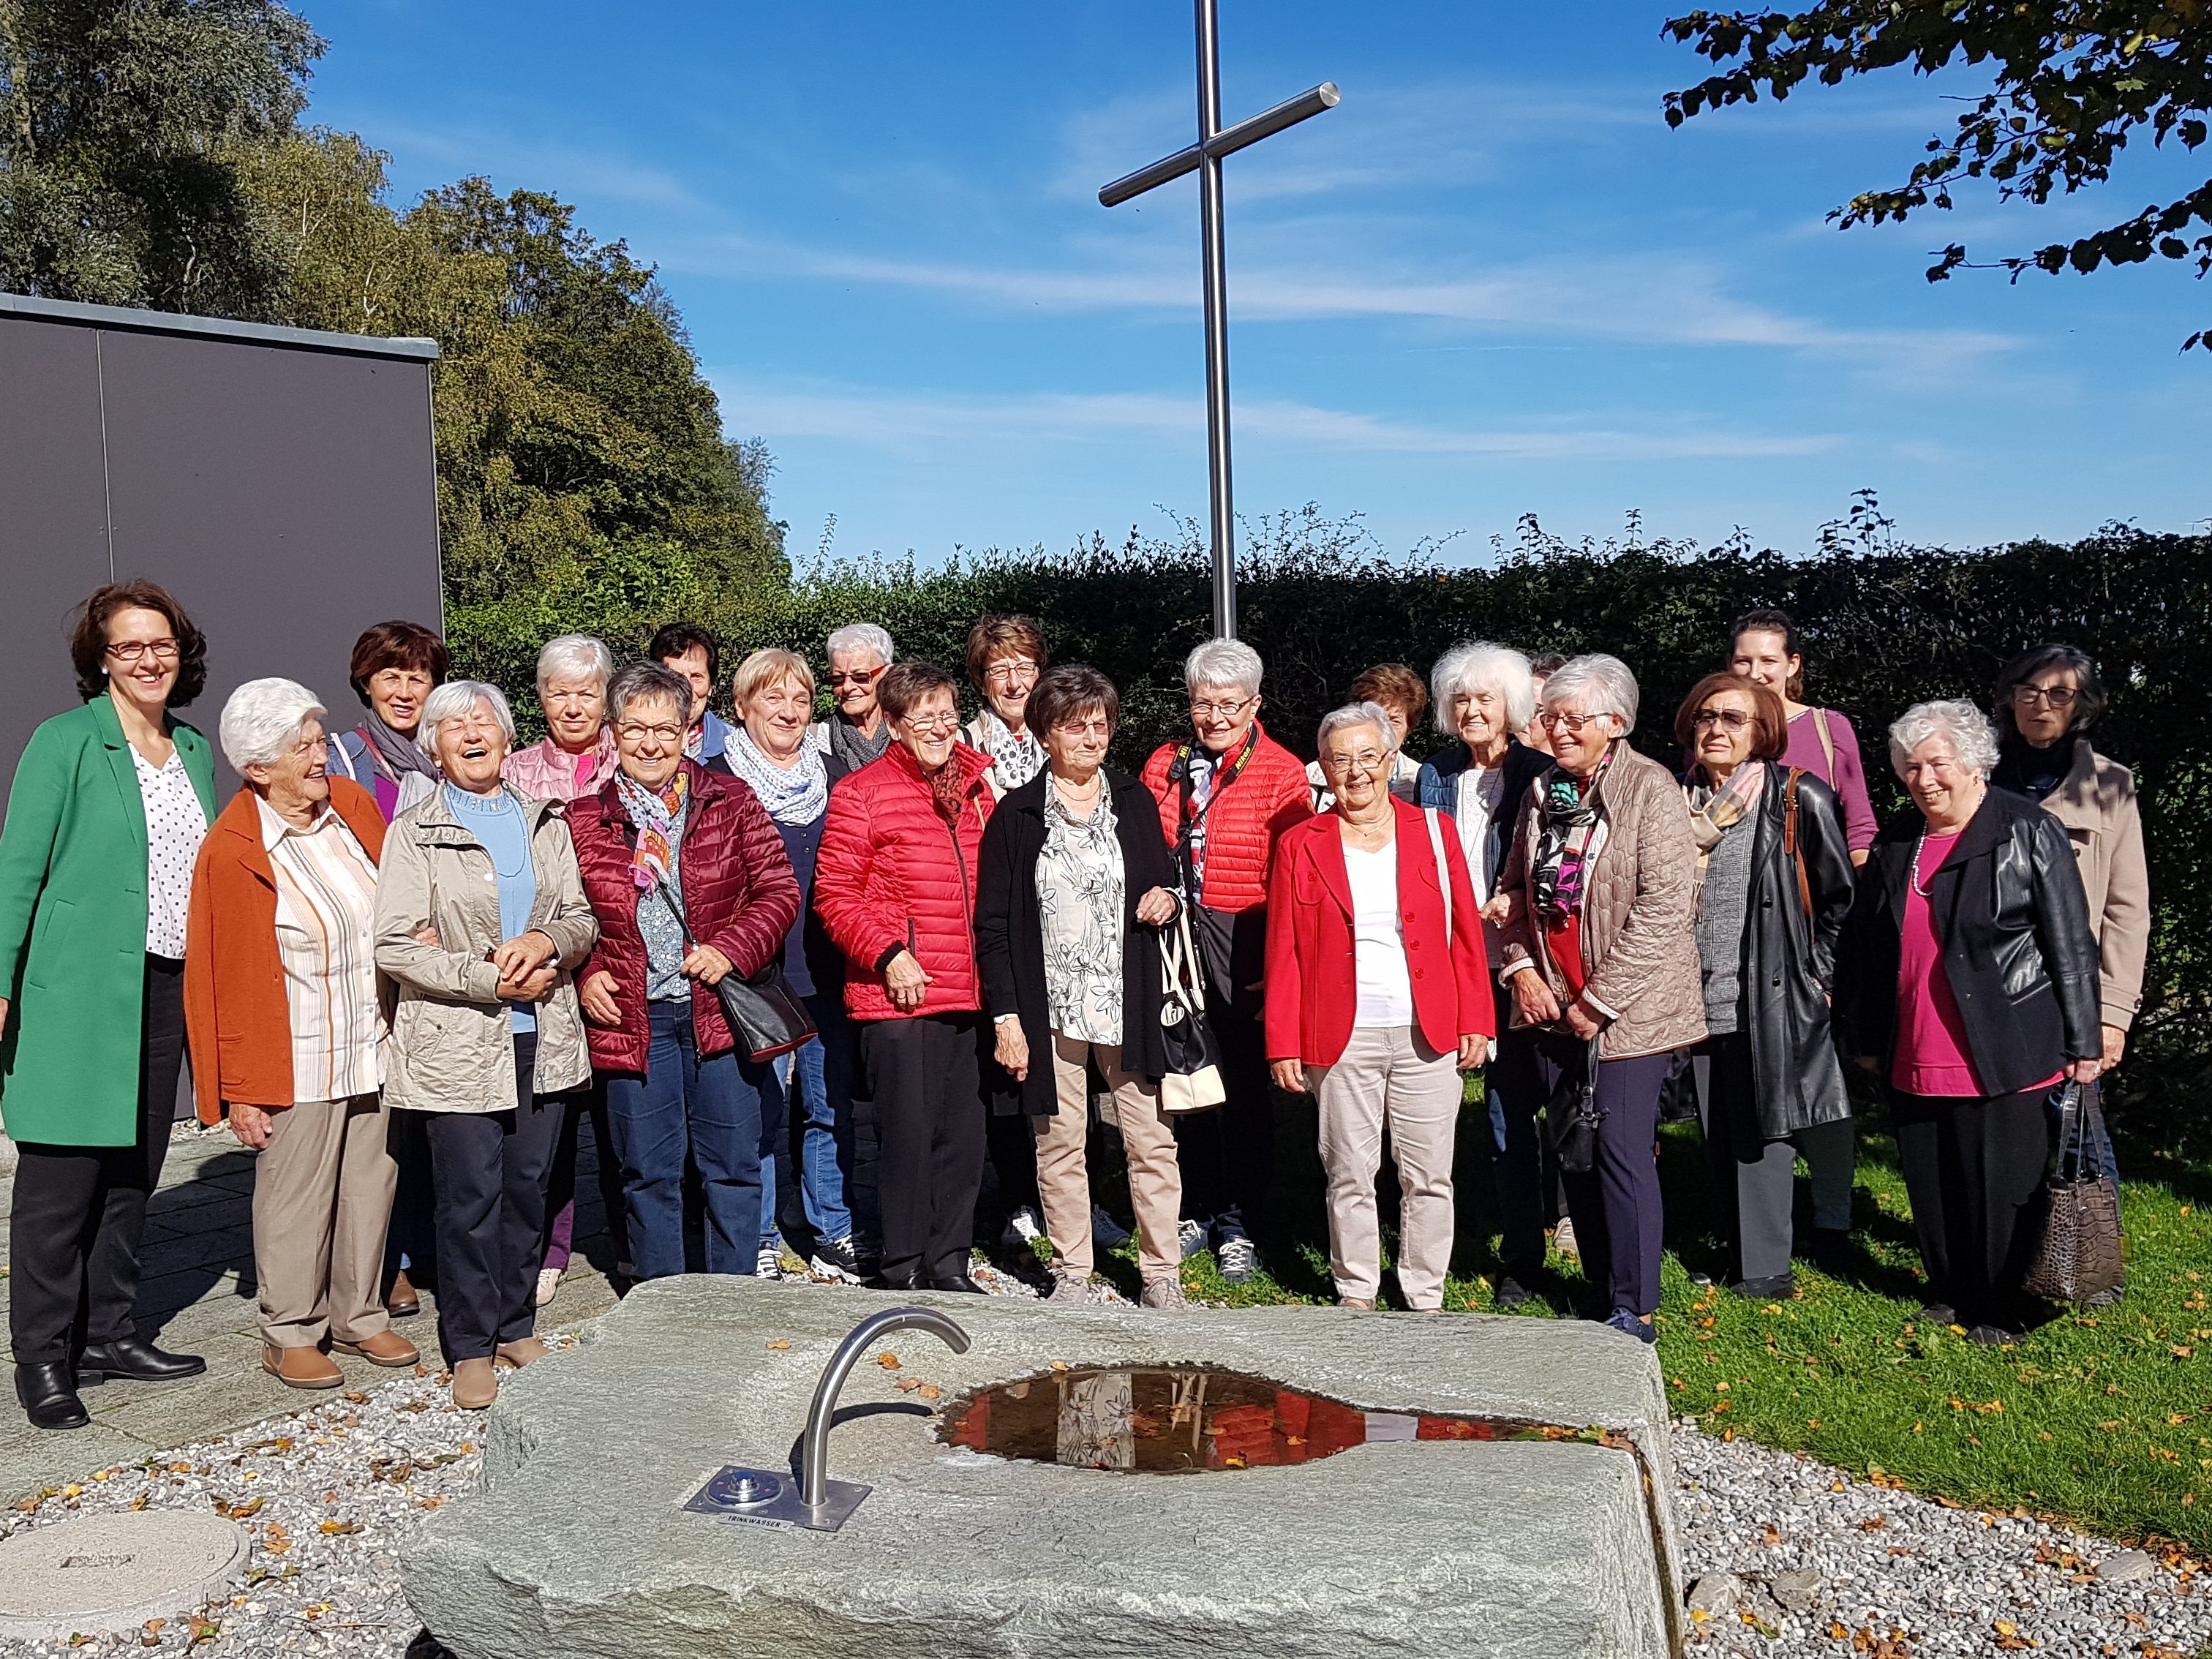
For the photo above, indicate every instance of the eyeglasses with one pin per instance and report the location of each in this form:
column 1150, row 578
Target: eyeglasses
column 1227, row 711
column 1097, row 728
column 636, row 733
column 132, row 651
column 2057, row 697
column 1365, row 761
column 1552, row 720
column 923, row 725
column 1014, row 668
column 856, row 676
column 1728, row 719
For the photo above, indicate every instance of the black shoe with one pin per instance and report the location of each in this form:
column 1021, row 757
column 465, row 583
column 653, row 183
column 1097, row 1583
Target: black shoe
column 959, row 1282
column 134, row 1361
column 884, row 1282
column 1511, row 1292
column 49, row 1397
column 836, row 1258
column 1938, row 1312
column 1994, row 1336
column 1765, row 1290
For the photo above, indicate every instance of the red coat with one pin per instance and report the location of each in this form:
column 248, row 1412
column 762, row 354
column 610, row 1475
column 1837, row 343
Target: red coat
column 892, row 871
column 1312, row 989
column 1269, row 796
column 740, row 894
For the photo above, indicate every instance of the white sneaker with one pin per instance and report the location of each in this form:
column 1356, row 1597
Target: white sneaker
column 1239, row 1259
column 1562, row 1240
column 770, row 1265
column 1191, row 1235
column 1106, row 1232
column 1022, row 1232
column 1165, row 1293
column 1069, row 1287
column 549, row 1284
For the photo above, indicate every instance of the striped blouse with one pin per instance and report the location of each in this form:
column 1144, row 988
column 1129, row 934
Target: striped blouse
column 326, row 909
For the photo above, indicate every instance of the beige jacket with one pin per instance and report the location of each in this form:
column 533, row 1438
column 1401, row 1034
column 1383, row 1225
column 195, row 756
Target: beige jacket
column 2097, row 804
column 1639, row 943
column 451, row 1050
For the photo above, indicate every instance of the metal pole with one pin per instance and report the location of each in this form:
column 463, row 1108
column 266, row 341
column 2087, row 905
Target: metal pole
column 1217, row 323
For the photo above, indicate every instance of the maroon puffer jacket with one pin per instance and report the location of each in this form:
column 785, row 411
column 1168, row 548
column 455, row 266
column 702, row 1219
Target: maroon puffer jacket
column 738, row 892
column 892, row 871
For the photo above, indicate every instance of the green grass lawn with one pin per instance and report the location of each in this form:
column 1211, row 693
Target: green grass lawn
column 2102, row 1419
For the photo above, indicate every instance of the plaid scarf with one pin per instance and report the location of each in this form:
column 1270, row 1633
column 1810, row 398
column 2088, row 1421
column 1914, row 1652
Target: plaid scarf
column 658, row 815
column 1567, row 815
column 1713, row 811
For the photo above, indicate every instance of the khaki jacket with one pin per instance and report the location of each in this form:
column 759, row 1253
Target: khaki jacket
column 451, row 1049
column 1639, row 942
column 2097, row 804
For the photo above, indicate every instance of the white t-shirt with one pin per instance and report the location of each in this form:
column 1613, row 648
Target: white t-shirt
column 1481, row 793
column 1379, row 940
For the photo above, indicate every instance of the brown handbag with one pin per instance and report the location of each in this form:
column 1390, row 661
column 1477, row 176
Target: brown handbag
column 2079, row 1255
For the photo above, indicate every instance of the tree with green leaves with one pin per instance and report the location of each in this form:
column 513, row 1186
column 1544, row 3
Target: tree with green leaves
column 2075, row 81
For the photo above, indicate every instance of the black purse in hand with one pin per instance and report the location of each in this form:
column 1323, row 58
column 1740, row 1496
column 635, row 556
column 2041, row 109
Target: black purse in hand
column 764, row 1013
column 1572, row 1116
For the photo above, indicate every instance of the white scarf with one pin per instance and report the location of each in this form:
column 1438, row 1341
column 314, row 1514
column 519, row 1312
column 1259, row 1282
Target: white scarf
column 794, row 794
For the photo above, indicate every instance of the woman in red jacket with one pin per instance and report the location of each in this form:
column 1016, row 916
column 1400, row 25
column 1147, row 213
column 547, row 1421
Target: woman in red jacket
column 1379, row 997
column 894, row 885
column 664, row 825
column 1224, row 800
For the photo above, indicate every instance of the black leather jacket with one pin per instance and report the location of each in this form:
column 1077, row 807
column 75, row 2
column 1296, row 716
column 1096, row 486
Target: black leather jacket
column 2017, row 947
column 1789, row 966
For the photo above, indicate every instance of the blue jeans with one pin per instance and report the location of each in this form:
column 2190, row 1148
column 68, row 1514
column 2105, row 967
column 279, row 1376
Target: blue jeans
column 709, row 1109
column 821, row 1086
column 2100, row 1140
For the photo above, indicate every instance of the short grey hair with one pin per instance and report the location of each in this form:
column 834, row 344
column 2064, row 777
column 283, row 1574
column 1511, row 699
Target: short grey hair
column 577, row 655
column 1223, row 662
column 641, row 682
column 863, row 636
column 1357, row 714
column 1601, row 684
column 1483, row 665
column 262, row 719
column 453, row 701
column 1973, row 738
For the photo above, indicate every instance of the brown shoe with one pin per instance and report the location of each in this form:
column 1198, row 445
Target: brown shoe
column 528, row 1352
column 402, row 1302
column 1358, row 1303
column 386, row 1348
column 475, row 1384
column 301, row 1368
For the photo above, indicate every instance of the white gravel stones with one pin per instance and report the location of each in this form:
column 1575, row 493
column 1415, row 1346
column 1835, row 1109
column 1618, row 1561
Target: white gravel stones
column 1895, row 1575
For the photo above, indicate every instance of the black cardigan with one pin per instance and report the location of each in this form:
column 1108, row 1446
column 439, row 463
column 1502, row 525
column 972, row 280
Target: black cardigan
column 1010, row 935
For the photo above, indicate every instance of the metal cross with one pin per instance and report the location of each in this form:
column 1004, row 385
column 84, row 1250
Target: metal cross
column 1204, row 157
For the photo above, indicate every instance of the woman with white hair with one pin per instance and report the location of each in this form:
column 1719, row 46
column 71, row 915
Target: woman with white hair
column 481, row 919
column 1971, row 979
column 287, row 1033
column 1379, row 997
column 1599, row 894
column 1224, row 800
column 1485, row 695
column 856, row 732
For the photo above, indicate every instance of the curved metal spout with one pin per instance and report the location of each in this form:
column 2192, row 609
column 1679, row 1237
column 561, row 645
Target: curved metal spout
column 814, row 1448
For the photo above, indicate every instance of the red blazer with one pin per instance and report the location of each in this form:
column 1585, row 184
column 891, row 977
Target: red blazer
column 1312, row 989
column 237, row 1016
column 893, row 872
column 740, row 894
column 1242, row 826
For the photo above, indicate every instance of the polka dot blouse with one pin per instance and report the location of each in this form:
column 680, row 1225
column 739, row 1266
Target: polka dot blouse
column 176, row 823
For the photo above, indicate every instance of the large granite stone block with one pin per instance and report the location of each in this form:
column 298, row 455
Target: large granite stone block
column 577, row 1545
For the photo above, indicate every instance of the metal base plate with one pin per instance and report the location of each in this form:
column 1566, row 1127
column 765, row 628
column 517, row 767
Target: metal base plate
column 767, row 1498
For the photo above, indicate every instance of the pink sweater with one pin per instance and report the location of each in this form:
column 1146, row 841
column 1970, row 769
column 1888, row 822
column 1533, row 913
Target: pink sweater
column 1847, row 777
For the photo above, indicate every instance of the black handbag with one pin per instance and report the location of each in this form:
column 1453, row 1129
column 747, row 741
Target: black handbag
column 1572, row 1116
column 1192, row 1082
column 2080, row 1255
column 764, row 1013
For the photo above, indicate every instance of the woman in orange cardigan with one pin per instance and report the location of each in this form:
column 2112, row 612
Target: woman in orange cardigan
column 1379, row 997
column 282, row 1010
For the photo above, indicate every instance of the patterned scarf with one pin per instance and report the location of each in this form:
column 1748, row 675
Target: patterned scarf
column 399, row 762
column 1014, row 760
column 659, row 815
column 794, row 794
column 1712, row 810
column 946, row 790
column 1568, row 814
column 854, row 747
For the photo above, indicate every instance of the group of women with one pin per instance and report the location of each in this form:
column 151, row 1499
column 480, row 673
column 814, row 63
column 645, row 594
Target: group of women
column 412, row 961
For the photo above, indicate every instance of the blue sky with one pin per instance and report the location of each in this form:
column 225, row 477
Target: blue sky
column 1491, row 282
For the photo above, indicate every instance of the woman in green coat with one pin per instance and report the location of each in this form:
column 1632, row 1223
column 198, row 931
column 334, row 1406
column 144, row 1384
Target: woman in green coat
column 103, row 821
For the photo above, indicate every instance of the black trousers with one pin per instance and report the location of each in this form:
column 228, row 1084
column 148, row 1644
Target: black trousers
column 1228, row 1154
column 1973, row 1169
column 921, row 1081
column 490, row 1170
column 1616, row 1206
column 80, row 1211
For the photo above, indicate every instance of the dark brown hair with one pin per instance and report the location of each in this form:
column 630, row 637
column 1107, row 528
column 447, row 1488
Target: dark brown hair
column 1392, row 681
column 2089, row 699
column 89, row 639
column 1771, row 621
column 397, row 645
column 673, row 640
column 1546, row 662
column 1003, row 636
column 1064, row 694
column 1770, row 721
column 906, row 682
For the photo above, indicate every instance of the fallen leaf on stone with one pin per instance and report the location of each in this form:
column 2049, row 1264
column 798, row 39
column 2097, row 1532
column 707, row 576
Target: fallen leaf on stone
column 890, row 1362
column 779, row 1343
column 1059, row 1364
column 137, row 1503
column 205, row 1630
column 357, row 1398
column 907, row 1384
column 239, row 1512
column 930, row 1391
column 332, row 1528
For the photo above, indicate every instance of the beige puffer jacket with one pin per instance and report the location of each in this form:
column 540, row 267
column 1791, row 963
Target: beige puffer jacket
column 451, row 1048
column 1639, row 942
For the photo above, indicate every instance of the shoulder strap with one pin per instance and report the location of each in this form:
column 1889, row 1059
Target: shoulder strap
column 1827, row 741
column 1444, row 868
column 1789, row 837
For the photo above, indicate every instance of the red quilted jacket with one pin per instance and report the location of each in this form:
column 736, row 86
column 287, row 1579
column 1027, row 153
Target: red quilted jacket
column 1269, row 796
column 740, row 894
column 892, row 871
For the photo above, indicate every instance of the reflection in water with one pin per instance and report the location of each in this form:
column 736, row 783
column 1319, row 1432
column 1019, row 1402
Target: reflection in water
column 1194, row 1419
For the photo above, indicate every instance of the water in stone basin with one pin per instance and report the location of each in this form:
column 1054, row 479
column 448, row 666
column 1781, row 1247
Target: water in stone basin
column 1192, row 1420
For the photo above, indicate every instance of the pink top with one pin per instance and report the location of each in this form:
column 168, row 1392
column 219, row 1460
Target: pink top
column 1847, row 777
column 551, row 772
column 1931, row 1056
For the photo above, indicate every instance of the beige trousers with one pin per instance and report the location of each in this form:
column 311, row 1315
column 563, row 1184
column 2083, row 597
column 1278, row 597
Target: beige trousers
column 322, row 1198
column 1388, row 1076
column 1064, row 1184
